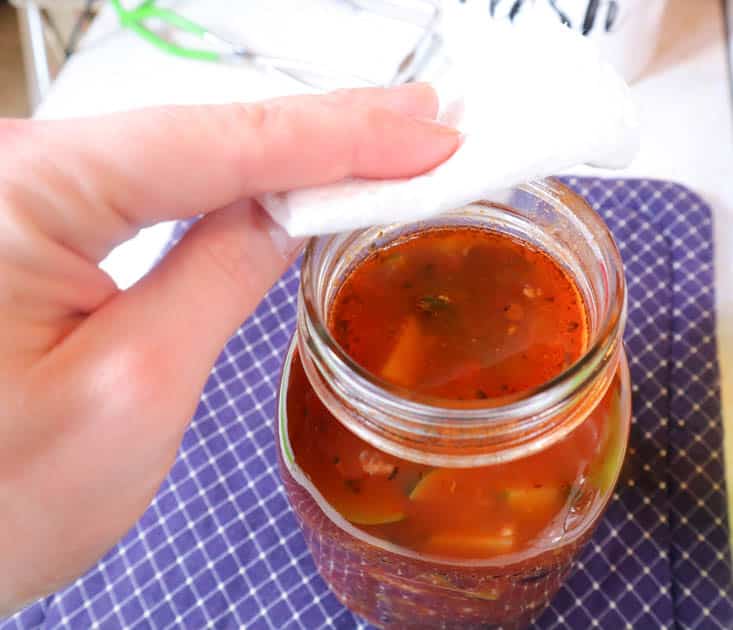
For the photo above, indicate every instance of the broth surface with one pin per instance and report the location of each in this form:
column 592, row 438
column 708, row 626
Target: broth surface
column 461, row 314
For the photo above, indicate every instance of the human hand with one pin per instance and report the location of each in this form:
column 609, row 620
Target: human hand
column 98, row 385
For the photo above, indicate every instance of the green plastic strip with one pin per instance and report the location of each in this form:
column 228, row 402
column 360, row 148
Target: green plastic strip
column 282, row 408
column 134, row 19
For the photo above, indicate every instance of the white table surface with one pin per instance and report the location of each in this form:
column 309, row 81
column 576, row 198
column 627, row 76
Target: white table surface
column 684, row 97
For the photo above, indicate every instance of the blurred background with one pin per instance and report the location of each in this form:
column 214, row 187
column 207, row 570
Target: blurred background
column 38, row 37
column 13, row 96
column 53, row 23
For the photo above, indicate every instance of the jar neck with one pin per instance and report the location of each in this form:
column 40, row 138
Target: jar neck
column 457, row 434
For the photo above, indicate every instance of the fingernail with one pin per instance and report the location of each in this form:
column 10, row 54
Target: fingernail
column 442, row 139
column 439, row 128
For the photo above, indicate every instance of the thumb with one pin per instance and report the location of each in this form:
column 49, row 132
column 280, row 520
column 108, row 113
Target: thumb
column 168, row 329
column 211, row 280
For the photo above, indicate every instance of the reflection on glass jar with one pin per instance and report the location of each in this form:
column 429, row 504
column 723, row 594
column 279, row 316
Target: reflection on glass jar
column 455, row 408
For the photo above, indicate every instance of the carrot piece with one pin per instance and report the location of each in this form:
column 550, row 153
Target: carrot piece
column 478, row 545
column 530, row 501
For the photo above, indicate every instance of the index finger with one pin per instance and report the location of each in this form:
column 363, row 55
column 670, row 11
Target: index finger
column 176, row 162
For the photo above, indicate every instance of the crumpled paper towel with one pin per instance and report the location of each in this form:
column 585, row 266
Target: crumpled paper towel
column 532, row 99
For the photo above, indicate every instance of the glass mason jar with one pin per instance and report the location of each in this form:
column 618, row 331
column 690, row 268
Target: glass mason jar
column 394, row 586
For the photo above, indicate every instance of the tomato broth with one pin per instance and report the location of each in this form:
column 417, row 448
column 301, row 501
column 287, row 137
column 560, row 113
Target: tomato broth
column 457, row 314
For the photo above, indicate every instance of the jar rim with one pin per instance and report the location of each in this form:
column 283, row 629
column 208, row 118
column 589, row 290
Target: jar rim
column 532, row 406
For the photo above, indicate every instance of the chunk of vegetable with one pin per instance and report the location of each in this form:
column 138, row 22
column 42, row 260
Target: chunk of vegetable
column 375, row 463
column 605, row 470
column 403, row 364
column 490, row 593
column 436, row 484
column 368, row 507
column 433, row 304
column 483, row 591
column 478, row 545
column 535, row 500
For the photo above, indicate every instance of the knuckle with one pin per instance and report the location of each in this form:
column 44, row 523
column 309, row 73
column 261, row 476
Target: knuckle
column 254, row 126
column 257, row 117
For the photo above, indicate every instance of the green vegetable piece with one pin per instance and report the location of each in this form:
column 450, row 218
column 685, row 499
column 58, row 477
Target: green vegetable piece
column 363, row 513
column 436, row 579
column 370, row 517
column 433, row 304
column 604, row 472
column 490, row 593
column 369, row 502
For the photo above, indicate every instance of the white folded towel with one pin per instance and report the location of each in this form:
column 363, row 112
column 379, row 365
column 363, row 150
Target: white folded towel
column 532, row 99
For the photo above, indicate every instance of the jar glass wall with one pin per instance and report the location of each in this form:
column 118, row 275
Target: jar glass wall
column 547, row 458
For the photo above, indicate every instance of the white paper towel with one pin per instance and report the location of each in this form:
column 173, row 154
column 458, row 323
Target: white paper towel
column 532, row 99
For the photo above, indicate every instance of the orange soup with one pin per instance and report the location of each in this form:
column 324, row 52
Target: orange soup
column 451, row 315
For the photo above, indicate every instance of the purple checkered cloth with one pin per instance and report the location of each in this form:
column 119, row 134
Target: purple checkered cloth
column 219, row 546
